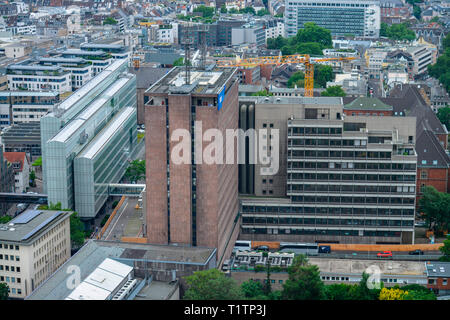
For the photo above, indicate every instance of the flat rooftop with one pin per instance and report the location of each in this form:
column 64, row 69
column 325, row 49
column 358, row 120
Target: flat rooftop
column 353, row 266
column 157, row 290
column 294, row 100
column 202, row 82
column 94, row 252
column 28, row 225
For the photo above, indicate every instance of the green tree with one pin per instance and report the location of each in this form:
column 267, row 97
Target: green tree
column 263, row 12
column 77, row 235
column 334, row 91
column 109, row 20
column 136, row 170
column 304, row 281
column 233, row 10
column 207, row 12
column 339, row 291
column 444, row 116
column 322, row 74
column 252, row 289
column 435, row 206
column 383, row 29
column 400, row 31
column 311, row 32
column 445, row 249
column 248, row 10
column 311, row 48
column 419, row 295
column 362, row 291
column 4, row 291
column 223, row 8
column 5, row 219
column 417, row 12
column 296, row 79
column 262, row 93
column 212, row 284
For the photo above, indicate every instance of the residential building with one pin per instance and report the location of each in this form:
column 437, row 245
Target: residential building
column 438, row 275
column 21, row 167
column 82, row 125
column 345, row 179
column 339, row 16
column 193, row 203
column 274, row 29
column 38, row 78
column 33, row 246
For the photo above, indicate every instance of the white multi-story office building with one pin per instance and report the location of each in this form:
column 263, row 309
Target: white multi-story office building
column 32, row 246
column 360, row 18
column 38, row 78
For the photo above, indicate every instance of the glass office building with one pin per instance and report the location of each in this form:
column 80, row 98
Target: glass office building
column 104, row 161
column 98, row 104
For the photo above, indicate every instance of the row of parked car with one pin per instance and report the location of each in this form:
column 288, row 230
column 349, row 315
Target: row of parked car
column 388, row 254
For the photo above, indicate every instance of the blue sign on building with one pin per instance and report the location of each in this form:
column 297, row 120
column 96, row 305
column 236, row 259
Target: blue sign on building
column 220, row 98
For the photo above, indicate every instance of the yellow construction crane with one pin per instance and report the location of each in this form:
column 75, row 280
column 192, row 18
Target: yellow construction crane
column 279, row 60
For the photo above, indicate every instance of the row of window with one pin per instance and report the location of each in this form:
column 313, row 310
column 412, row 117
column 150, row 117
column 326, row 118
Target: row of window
column 328, row 210
column 351, row 188
column 338, row 154
column 351, row 177
column 9, row 268
column 330, row 222
column 10, row 279
column 314, row 131
column 10, row 247
column 299, row 231
column 9, row 257
column 351, row 165
column 355, row 200
column 327, row 142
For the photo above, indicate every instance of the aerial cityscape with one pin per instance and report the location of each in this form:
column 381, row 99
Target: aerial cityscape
column 236, row 150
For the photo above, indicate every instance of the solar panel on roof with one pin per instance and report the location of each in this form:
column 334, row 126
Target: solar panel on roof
column 26, row 216
column 40, row 226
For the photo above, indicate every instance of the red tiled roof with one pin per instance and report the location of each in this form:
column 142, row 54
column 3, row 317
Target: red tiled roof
column 14, row 157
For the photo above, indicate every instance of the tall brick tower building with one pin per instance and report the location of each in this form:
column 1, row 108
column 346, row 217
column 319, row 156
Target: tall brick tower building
column 191, row 203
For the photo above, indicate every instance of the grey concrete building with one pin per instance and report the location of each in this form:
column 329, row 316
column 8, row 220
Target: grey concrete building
column 344, row 179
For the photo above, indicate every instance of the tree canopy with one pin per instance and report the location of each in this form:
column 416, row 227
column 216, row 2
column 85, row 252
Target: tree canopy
column 312, row 39
column 444, row 116
column 211, row 284
column 136, row 170
column 334, row 91
column 304, row 281
column 445, row 249
column 399, row 31
column 4, row 291
column 207, row 12
column 435, row 206
column 322, row 74
column 441, row 69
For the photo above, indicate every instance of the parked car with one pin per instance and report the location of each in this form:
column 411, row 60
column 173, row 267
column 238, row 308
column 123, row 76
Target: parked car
column 262, row 248
column 416, row 252
column 385, row 254
column 324, row 249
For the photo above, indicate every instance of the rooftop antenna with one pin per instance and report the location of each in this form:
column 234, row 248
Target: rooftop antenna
column 187, row 42
column 202, row 40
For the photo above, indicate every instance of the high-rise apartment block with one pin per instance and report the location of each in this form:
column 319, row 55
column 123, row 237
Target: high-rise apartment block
column 360, row 18
column 341, row 179
column 191, row 203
